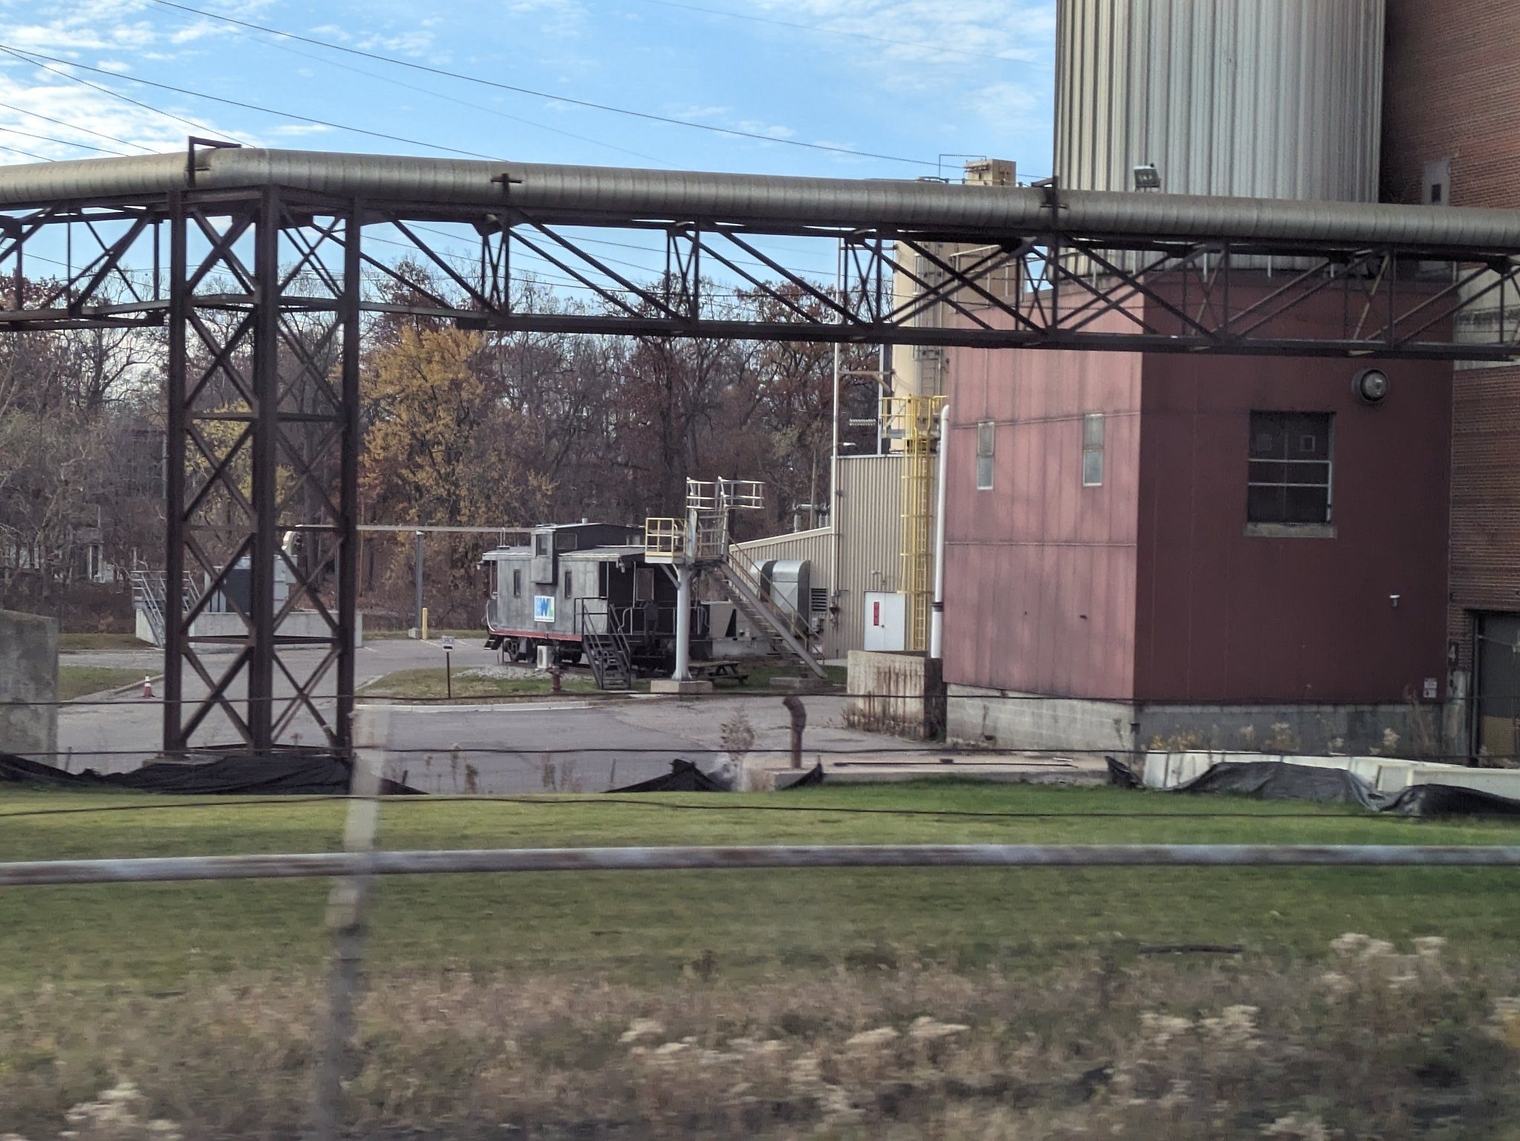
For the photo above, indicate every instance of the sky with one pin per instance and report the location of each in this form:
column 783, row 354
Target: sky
column 895, row 79
column 831, row 88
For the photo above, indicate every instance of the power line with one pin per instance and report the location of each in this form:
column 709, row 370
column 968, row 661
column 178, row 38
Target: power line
column 646, row 115
column 33, row 57
column 201, row 127
column 842, row 32
column 75, row 126
column 28, row 154
column 464, row 102
column 63, row 142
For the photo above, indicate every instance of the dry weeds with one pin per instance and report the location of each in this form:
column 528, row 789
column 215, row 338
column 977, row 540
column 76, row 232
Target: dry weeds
column 1373, row 1042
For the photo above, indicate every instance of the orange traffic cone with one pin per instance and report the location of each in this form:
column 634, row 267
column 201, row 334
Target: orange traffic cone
column 147, row 686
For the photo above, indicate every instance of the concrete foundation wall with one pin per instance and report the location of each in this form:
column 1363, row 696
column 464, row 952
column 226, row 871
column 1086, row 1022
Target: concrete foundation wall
column 297, row 624
column 28, row 685
column 1405, row 730
column 900, row 693
column 1011, row 720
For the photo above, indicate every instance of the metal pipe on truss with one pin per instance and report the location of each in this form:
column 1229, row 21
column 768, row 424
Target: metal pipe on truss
column 270, row 279
column 164, row 869
column 677, row 195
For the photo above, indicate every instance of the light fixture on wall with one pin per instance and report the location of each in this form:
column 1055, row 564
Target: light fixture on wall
column 1371, row 385
column 1147, row 177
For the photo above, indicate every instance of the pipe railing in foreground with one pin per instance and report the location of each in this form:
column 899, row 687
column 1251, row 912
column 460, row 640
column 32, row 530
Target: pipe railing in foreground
column 163, row 869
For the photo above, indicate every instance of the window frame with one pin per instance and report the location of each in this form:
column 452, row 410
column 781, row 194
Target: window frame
column 1284, row 422
column 1093, row 444
column 986, row 454
column 569, row 590
column 517, row 582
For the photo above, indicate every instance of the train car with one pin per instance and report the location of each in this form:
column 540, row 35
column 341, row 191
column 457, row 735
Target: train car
column 586, row 590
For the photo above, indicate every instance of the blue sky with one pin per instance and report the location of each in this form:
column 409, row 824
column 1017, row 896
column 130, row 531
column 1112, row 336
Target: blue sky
column 898, row 79
column 909, row 79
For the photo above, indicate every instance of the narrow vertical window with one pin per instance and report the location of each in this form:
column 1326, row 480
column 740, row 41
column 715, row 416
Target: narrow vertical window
column 986, row 440
column 517, row 584
column 1092, row 450
column 568, row 590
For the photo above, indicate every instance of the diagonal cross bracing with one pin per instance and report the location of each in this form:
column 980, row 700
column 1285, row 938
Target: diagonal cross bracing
column 257, row 269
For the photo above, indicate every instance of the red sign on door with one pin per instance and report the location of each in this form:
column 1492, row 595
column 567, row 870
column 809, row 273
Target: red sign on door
column 875, row 614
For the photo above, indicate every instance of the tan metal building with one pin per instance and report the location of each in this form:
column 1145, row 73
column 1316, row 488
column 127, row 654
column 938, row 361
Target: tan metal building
column 859, row 552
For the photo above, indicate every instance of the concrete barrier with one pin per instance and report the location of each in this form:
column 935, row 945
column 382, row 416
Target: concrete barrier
column 899, row 693
column 28, row 685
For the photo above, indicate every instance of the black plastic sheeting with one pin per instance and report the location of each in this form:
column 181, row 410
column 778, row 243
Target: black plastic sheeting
column 1282, row 780
column 274, row 776
column 686, row 777
column 682, row 777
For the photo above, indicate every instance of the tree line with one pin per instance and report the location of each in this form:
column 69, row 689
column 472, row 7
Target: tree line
column 462, row 427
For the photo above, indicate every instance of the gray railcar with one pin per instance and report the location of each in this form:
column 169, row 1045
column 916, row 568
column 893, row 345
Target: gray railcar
column 577, row 583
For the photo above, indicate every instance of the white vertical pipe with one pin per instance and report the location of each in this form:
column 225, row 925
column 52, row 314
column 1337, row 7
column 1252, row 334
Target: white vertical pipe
column 683, row 623
column 937, row 613
column 834, row 534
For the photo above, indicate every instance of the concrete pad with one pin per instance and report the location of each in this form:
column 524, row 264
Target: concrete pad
column 681, row 688
column 998, row 768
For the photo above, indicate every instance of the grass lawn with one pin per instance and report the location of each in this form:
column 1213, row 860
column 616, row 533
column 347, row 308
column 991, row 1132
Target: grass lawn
column 645, row 926
column 958, row 1005
column 77, row 681
column 433, row 683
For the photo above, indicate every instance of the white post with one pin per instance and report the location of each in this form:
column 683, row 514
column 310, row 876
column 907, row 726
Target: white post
column 683, row 622
column 937, row 614
column 346, row 918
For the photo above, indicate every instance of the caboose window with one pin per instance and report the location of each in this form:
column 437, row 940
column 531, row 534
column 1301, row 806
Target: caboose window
column 517, row 584
column 568, row 590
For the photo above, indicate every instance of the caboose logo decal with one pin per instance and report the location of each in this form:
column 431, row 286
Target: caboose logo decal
column 543, row 608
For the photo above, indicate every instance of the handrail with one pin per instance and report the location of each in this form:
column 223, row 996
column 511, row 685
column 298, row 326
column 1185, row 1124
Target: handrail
column 749, row 570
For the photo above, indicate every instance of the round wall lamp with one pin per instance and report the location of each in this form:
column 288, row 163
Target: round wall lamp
column 1371, row 385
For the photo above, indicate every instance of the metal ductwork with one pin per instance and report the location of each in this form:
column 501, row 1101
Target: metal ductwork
column 767, row 201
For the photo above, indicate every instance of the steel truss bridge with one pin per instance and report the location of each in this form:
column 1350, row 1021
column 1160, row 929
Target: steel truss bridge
column 262, row 268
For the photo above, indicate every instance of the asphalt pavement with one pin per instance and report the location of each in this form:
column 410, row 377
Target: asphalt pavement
column 568, row 744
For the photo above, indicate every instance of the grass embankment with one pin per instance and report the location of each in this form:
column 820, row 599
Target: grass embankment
column 639, row 926
column 96, row 640
column 78, row 681
column 505, row 998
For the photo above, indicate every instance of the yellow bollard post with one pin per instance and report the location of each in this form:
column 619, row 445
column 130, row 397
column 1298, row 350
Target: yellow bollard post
column 424, row 623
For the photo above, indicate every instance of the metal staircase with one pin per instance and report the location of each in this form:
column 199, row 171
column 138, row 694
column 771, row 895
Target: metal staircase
column 606, row 647
column 702, row 541
column 149, row 590
column 790, row 631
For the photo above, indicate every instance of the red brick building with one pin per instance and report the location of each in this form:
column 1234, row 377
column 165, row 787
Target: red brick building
column 1451, row 135
column 1123, row 572
column 1121, row 568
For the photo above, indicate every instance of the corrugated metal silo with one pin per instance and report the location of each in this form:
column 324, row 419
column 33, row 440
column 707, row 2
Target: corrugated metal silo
column 1245, row 98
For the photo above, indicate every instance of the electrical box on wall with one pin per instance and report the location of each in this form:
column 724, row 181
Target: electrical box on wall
column 886, row 620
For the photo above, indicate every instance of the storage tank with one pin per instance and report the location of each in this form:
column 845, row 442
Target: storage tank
column 1244, row 98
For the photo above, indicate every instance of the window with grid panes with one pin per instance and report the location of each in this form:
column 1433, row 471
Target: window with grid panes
column 1291, row 458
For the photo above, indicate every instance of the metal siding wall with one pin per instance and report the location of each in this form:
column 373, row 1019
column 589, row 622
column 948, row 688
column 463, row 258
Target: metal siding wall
column 870, row 544
column 1240, row 98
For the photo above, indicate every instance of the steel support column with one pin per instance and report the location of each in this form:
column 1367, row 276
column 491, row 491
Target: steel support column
column 263, row 472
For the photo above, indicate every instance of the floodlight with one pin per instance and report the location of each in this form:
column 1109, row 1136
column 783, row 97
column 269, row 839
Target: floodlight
column 1371, row 385
column 1147, row 177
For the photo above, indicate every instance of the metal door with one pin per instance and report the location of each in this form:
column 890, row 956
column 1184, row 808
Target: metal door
column 1496, row 704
